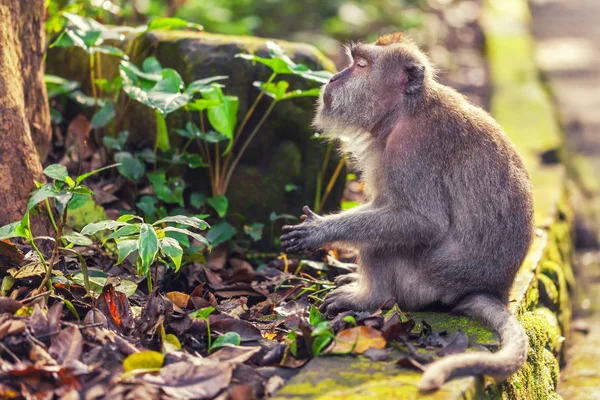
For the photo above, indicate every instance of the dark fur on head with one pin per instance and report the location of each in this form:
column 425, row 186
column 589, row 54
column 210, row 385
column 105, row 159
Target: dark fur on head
column 450, row 215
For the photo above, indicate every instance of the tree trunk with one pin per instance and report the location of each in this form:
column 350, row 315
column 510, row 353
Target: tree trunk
column 25, row 130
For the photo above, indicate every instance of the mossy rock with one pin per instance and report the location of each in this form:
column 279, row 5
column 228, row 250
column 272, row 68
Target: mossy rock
column 283, row 152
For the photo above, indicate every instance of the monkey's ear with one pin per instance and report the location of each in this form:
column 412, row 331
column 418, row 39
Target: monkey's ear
column 415, row 75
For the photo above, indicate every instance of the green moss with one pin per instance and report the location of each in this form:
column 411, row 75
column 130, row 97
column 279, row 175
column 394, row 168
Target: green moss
column 451, row 323
column 548, row 292
column 538, row 376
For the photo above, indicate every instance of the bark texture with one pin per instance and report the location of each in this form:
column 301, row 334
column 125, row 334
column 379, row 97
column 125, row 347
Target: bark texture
column 25, row 130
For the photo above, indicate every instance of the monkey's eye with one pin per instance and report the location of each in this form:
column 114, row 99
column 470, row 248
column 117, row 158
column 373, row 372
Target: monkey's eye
column 362, row 63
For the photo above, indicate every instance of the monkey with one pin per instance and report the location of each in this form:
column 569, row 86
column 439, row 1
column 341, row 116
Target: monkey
column 449, row 212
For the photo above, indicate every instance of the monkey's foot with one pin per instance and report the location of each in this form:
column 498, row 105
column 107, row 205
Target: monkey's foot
column 344, row 298
column 346, row 279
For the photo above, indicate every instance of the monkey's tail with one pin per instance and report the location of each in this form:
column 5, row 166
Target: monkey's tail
column 499, row 365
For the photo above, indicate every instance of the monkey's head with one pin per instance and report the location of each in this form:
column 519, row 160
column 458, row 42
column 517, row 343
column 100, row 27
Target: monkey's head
column 382, row 77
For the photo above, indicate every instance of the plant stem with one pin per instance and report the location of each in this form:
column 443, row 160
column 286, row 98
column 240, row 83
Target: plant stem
column 50, row 265
column 92, row 83
column 51, row 216
column 334, row 177
column 204, row 144
column 245, row 146
column 238, row 133
column 209, row 336
column 149, row 282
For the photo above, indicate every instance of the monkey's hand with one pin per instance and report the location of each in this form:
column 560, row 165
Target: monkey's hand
column 304, row 237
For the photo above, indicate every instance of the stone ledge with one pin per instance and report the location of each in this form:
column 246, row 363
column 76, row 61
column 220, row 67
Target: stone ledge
column 540, row 295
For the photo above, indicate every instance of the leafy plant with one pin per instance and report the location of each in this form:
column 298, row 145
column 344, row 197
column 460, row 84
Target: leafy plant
column 67, row 194
column 227, row 339
column 157, row 242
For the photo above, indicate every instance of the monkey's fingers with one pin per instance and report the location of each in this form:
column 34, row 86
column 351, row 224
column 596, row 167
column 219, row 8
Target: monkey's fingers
column 291, row 228
column 295, row 234
column 309, row 214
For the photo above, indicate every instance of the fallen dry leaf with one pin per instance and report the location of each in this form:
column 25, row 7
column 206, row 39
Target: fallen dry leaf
column 67, row 345
column 184, row 380
column 115, row 306
column 11, row 327
column 179, row 299
column 358, row 340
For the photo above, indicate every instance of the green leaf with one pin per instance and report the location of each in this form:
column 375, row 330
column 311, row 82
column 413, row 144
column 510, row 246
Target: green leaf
column 184, row 220
column 129, row 217
column 223, row 117
column 255, row 231
column 7, row 283
column 98, row 279
column 110, row 50
column 125, row 248
column 162, row 135
column 147, row 247
column 196, row 236
column 172, row 24
column 147, row 360
column 129, row 166
column 117, row 143
column 151, row 65
column 95, row 227
column 276, row 90
column 41, row 194
column 77, row 239
column 276, row 64
column 11, row 230
column 319, row 344
column 202, row 104
column 315, row 316
column 81, row 178
column 227, row 339
column 57, row 172
column 197, row 200
column 220, row 203
column 202, row 313
column 170, row 191
column 220, row 233
column 104, row 116
column 204, row 84
column 126, row 230
column 173, row 250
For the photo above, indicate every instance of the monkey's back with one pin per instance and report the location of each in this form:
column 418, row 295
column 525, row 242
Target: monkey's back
column 488, row 198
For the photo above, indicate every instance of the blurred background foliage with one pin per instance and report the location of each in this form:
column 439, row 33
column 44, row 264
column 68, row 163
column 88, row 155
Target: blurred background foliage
column 322, row 23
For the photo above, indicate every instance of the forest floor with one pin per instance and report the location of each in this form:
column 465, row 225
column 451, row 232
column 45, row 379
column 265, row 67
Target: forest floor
column 570, row 28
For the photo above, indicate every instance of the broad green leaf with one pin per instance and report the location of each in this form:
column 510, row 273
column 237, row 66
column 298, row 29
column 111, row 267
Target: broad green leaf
column 98, row 279
column 77, row 239
column 173, row 250
column 95, row 227
column 196, row 236
column 7, row 283
column 11, row 230
column 128, row 217
column 184, row 220
column 255, row 231
column 201, row 85
column 162, row 135
column 227, row 339
column 169, row 191
column 81, row 178
column 110, row 50
column 202, row 104
column 57, row 86
column 276, row 90
column 315, row 316
column 302, row 93
column 104, row 116
column 147, row 360
column 181, row 238
column 172, row 24
column 193, row 160
column 125, row 248
column 319, row 344
column 126, row 230
column 77, row 200
column 147, row 247
column 170, row 343
column 220, row 203
column 197, row 200
column 151, row 65
column 57, row 172
column 202, row 313
column 41, row 194
column 223, row 117
column 129, row 166
column 220, row 233
column 117, row 143
column 276, row 64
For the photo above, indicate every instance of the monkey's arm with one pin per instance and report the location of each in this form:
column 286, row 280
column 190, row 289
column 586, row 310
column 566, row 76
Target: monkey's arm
column 385, row 225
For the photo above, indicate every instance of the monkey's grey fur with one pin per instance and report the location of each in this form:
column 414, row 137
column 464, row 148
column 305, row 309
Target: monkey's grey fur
column 449, row 218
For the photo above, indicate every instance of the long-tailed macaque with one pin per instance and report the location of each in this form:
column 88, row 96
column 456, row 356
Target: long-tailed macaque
column 449, row 217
